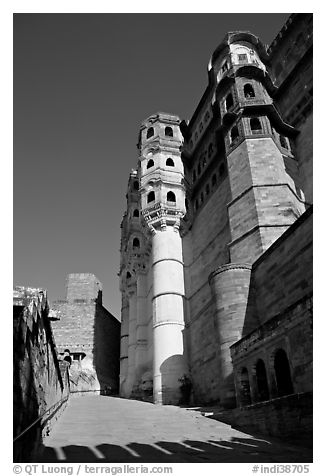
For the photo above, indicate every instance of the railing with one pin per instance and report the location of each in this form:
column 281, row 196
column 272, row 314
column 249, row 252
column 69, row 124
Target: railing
column 47, row 412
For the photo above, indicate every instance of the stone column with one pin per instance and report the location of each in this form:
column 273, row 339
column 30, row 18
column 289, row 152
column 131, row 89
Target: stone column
column 168, row 315
column 230, row 288
column 124, row 345
column 132, row 292
column 141, row 326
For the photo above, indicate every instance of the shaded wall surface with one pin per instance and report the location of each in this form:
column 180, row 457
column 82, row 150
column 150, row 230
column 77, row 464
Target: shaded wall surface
column 289, row 418
column 281, row 300
column 41, row 382
column 91, row 334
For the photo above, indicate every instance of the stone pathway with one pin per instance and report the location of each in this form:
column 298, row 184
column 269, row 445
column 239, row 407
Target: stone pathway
column 103, row 429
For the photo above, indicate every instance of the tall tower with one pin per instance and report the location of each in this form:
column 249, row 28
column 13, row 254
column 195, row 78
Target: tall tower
column 163, row 205
column 263, row 177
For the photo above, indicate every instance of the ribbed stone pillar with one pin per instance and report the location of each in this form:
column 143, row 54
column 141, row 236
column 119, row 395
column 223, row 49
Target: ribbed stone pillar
column 132, row 291
column 168, row 315
column 124, row 345
column 230, row 288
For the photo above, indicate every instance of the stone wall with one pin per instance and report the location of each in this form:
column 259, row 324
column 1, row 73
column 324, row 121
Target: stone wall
column 282, row 304
column 288, row 266
column 41, row 382
column 204, row 249
column 292, row 68
column 91, row 334
column 288, row 417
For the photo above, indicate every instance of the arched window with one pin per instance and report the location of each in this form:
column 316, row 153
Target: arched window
column 207, row 189
column 248, row 91
column 234, row 133
column 245, row 398
column 136, row 185
column 221, row 170
column 151, row 197
column 228, row 101
column 169, row 162
column 128, row 275
column 283, row 142
column 255, row 125
column 135, row 243
column 170, row 197
column 214, row 180
column 194, row 176
column 150, row 163
column 282, row 373
column 169, row 131
column 199, row 169
column 136, row 213
column 261, row 379
column 150, row 132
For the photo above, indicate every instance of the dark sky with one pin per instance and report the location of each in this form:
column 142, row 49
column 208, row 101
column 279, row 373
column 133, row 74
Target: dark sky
column 82, row 85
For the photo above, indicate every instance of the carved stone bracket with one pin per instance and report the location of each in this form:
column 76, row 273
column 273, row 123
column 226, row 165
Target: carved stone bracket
column 160, row 216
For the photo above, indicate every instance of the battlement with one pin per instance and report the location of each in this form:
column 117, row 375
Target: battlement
column 83, row 286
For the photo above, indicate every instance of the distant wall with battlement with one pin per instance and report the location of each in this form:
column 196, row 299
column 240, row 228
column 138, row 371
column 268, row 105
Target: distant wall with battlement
column 90, row 333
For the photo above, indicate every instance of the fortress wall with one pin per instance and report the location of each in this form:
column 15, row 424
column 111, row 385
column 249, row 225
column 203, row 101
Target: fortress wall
column 288, row 266
column 303, row 151
column 40, row 381
column 203, row 252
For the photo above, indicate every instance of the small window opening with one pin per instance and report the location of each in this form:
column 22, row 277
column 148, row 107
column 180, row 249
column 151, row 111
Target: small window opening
column 136, row 185
column 169, row 132
column 229, row 101
column 255, row 125
column 136, row 243
column 151, row 197
column 242, row 58
column 128, row 275
column 150, row 163
column 248, row 91
column 136, row 213
column 234, row 133
column 283, row 142
column 169, row 162
column 170, row 197
column 150, row 132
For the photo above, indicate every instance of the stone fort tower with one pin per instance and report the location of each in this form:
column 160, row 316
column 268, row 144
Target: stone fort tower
column 84, row 327
column 209, row 197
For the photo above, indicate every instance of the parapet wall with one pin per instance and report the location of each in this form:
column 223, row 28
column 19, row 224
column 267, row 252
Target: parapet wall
column 41, row 382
